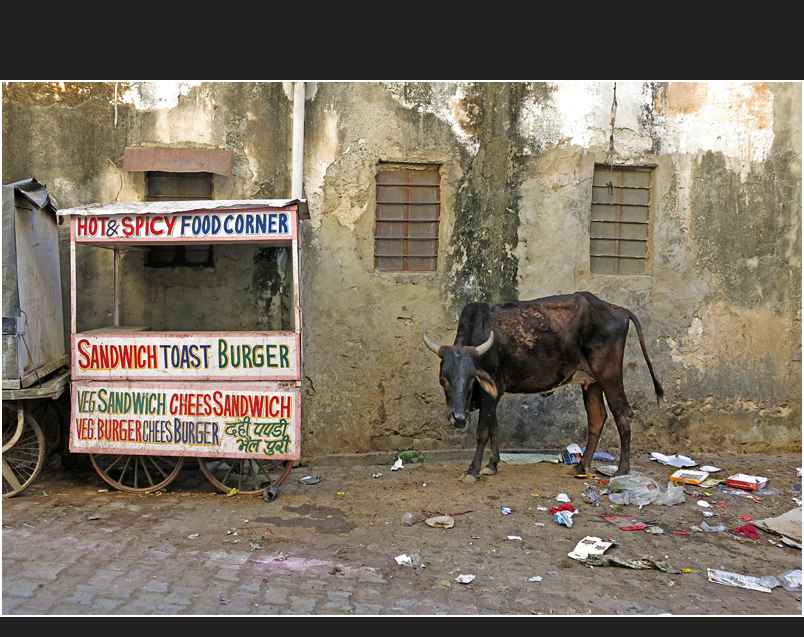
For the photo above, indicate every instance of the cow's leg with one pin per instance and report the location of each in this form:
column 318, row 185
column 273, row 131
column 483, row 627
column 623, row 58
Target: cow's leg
column 596, row 417
column 485, row 421
column 490, row 411
column 622, row 412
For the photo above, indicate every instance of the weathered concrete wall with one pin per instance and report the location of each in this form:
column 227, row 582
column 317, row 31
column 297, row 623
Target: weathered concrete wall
column 720, row 305
column 74, row 136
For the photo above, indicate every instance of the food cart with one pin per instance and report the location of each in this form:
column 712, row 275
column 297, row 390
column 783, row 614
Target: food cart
column 145, row 398
column 35, row 359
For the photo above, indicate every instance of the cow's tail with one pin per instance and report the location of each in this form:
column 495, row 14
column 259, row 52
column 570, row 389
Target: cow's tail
column 656, row 385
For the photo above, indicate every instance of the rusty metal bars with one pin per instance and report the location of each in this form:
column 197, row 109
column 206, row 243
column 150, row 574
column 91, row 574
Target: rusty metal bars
column 620, row 226
column 407, row 219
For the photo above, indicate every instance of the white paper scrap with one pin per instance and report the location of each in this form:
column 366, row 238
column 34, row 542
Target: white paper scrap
column 674, row 461
column 589, row 546
column 735, row 579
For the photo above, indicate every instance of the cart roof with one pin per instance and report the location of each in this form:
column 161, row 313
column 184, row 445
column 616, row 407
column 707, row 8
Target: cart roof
column 177, row 207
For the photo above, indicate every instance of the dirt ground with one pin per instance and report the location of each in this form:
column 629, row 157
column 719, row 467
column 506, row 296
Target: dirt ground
column 352, row 518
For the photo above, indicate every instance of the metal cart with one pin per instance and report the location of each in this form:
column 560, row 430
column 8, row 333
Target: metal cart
column 143, row 400
column 34, row 351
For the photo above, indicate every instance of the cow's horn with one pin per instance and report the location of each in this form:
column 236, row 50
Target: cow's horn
column 436, row 349
column 482, row 349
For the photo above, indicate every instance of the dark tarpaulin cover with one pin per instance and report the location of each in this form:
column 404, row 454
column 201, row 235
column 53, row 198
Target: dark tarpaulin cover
column 39, row 197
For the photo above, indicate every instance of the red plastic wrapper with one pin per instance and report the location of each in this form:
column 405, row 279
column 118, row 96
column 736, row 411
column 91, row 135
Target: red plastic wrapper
column 748, row 530
column 563, row 507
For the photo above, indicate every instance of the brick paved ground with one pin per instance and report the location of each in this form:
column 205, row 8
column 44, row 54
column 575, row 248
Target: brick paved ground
column 330, row 549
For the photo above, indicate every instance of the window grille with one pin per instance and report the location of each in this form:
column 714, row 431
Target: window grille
column 169, row 186
column 407, row 218
column 621, row 199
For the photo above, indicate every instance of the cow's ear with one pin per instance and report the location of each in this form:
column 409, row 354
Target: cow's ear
column 486, row 382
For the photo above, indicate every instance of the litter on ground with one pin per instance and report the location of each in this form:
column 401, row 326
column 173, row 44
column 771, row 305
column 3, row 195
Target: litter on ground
column 440, row 522
column 788, row 525
column 589, row 546
column 528, row 458
column 643, row 564
column 735, row 579
column 674, row 461
column 625, row 523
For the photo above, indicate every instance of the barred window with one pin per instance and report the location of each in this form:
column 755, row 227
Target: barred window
column 621, row 199
column 169, row 186
column 407, row 218
column 164, row 186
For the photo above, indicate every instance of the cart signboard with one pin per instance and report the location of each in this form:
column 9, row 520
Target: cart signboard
column 169, row 419
column 152, row 223
column 192, row 356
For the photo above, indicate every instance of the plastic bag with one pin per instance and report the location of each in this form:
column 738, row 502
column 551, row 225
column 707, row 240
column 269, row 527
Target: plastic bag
column 673, row 495
column 712, row 529
column 633, row 489
column 791, row 580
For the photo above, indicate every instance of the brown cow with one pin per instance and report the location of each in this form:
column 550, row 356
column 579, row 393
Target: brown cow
column 534, row 347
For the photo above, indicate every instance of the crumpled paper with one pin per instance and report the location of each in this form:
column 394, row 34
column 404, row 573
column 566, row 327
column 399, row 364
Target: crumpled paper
column 645, row 563
column 563, row 514
column 674, row 461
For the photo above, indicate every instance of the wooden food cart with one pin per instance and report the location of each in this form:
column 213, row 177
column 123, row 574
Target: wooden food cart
column 144, row 398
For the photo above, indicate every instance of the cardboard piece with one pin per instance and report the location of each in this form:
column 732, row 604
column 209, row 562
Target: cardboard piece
column 744, row 481
column 787, row 524
column 686, row 476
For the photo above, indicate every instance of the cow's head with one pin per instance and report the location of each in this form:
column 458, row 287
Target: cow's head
column 459, row 371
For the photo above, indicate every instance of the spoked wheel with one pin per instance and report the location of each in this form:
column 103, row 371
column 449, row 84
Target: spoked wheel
column 23, row 449
column 249, row 476
column 137, row 474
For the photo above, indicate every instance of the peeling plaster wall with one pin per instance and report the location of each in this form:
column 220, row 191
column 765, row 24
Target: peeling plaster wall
column 723, row 328
column 722, row 302
column 71, row 136
column 720, row 305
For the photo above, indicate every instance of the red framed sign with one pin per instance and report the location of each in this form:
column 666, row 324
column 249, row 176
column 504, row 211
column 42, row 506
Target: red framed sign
column 186, row 419
column 227, row 356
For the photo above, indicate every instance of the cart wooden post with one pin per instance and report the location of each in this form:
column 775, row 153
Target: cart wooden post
column 145, row 399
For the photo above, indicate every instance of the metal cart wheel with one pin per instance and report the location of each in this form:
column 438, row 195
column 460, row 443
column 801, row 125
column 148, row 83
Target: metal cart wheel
column 249, row 476
column 23, row 449
column 137, row 474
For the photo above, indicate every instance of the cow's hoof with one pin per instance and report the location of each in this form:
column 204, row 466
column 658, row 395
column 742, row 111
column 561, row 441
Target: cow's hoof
column 486, row 471
column 468, row 478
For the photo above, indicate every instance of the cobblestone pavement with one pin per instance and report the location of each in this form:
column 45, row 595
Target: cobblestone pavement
column 74, row 546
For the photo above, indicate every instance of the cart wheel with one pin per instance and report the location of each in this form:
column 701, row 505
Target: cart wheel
column 247, row 475
column 137, row 474
column 22, row 460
